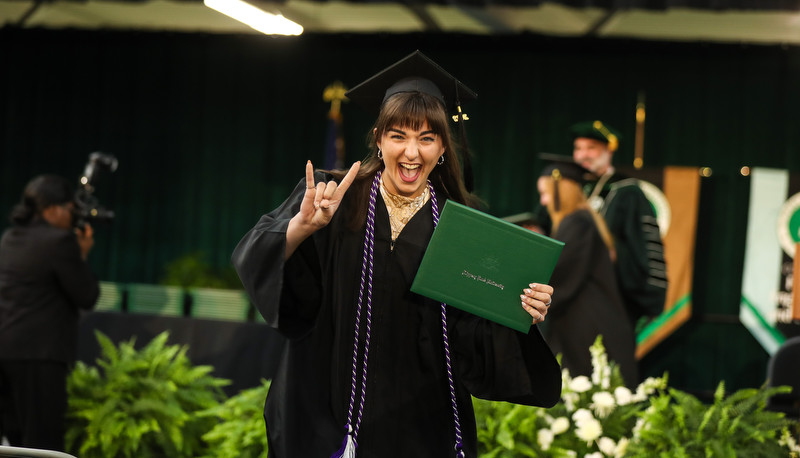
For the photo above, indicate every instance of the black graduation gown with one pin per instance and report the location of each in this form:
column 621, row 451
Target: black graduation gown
column 311, row 299
column 587, row 302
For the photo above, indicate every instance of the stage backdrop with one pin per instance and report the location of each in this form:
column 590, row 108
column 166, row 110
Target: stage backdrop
column 211, row 131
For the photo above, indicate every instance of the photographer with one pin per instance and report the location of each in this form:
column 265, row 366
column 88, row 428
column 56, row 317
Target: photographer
column 44, row 282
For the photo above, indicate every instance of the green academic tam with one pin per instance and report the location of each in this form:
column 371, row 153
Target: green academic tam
column 597, row 130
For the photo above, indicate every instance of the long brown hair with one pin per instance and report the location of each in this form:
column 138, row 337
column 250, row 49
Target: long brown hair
column 571, row 198
column 409, row 110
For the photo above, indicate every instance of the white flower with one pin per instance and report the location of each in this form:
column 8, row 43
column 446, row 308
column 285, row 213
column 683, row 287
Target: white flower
column 603, row 403
column 589, row 430
column 569, row 400
column 580, row 384
column 647, row 387
column 582, row 415
column 607, row 446
column 559, row 425
column 623, row 395
column 545, row 438
column 593, row 455
column 565, row 378
column 622, row 447
column 787, row 440
column 638, row 427
column 597, row 373
column 601, row 371
column 605, row 381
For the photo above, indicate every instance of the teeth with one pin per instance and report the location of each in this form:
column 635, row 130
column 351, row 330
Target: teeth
column 410, row 166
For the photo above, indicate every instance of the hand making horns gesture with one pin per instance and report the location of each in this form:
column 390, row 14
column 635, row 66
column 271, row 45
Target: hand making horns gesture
column 320, row 202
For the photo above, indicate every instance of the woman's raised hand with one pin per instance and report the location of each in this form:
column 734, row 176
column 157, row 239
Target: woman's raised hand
column 322, row 199
column 319, row 204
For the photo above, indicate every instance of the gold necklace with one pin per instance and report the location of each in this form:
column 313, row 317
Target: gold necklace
column 401, row 208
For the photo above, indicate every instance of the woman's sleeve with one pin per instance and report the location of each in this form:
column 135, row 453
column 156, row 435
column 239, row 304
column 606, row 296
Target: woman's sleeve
column 286, row 293
column 500, row 364
column 73, row 272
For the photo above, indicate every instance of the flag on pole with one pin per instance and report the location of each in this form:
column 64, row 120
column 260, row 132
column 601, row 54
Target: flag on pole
column 773, row 232
column 334, row 142
column 676, row 213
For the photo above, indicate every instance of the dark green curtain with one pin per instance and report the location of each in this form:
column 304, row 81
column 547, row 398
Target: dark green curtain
column 211, row 131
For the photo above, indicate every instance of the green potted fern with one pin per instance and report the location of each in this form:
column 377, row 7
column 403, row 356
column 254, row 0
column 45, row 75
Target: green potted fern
column 141, row 403
column 679, row 425
column 240, row 430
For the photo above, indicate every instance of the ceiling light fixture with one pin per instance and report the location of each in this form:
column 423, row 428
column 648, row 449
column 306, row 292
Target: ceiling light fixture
column 268, row 23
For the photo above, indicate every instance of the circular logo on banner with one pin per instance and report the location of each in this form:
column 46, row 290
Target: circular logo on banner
column 789, row 224
column 660, row 205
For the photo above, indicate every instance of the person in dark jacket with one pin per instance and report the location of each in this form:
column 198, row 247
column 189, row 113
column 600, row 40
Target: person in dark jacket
column 371, row 368
column 44, row 283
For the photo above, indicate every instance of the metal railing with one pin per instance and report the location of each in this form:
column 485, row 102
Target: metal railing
column 22, row 452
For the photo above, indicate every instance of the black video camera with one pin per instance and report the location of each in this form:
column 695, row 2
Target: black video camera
column 87, row 207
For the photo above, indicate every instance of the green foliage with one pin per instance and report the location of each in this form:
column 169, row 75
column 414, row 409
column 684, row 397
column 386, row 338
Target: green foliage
column 678, row 424
column 599, row 417
column 595, row 415
column 240, row 432
column 140, row 403
column 193, row 270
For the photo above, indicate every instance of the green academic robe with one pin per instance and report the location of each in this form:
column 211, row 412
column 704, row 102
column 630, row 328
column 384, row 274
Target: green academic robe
column 640, row 268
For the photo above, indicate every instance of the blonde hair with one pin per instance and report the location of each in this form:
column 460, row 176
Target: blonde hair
column 571, row 198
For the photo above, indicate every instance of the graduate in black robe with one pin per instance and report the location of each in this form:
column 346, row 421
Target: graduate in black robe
column 640, row 268
column 589, row 302
column 302, row 267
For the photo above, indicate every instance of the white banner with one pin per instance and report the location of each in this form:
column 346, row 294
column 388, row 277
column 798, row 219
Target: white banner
column 763, row 257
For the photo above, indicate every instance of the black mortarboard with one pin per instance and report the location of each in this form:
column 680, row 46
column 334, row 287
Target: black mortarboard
column 561, row 167
column 415, row 72
column 598, row 131
column 565, row 167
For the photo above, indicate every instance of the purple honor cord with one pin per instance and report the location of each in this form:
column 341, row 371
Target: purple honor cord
column 350, row 443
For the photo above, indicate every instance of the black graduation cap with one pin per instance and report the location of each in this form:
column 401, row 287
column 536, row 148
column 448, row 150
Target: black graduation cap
column 563, row 167
column 418, row 73
column 415, row 72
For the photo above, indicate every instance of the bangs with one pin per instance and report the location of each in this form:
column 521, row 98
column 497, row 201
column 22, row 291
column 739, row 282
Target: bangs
column 411, row 110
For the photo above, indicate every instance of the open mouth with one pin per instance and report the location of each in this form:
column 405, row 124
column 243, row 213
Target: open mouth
column 410, row 172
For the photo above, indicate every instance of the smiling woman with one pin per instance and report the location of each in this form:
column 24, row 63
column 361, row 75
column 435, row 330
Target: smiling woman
column 409, row 155
column 367, row 360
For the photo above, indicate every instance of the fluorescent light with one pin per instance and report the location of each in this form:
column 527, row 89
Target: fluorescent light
column 271, row 24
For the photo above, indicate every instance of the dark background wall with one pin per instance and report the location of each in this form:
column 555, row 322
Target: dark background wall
column 212, row 131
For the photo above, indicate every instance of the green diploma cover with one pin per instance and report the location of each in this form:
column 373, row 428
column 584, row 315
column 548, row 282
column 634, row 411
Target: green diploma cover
column 480, row 264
